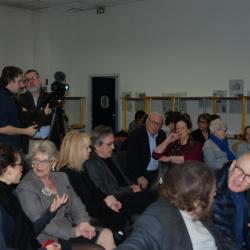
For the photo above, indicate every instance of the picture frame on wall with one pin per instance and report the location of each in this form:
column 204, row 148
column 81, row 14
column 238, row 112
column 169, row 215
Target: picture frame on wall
column 236, row 88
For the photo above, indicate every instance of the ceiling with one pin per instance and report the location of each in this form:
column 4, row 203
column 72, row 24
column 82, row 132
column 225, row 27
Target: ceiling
column 66, row 5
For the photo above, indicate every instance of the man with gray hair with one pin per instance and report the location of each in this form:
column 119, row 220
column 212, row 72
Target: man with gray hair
column 141, row 144
column 104, row 170
column 232, row 201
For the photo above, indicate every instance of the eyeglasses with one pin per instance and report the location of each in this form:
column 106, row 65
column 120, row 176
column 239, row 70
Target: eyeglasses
column 31, row 79
column 110, row 144
column 159, row 124
column 18, row 164
column 43, row 162
column 239, row 171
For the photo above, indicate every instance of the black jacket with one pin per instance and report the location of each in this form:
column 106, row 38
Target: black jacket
column 138, row 154
column 225, row 210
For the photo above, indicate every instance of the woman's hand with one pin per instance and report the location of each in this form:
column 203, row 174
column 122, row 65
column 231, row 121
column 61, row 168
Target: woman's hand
column 113, row 203
column 85, row 229
column 109, row 200
column 165, row 158
column 58, row 201
column 172, row 137
column 136, row 188
column 177, row 159
column 53, row 246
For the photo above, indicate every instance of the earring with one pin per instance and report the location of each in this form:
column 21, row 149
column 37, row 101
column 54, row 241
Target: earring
column 32, row 165
column 54, row 167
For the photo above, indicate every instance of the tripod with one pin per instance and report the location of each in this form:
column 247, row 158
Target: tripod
column 57, row 126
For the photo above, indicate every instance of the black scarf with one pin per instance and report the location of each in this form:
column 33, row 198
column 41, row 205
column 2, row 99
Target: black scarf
column 23, row 237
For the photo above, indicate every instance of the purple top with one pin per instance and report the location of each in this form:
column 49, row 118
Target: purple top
column 194, row 154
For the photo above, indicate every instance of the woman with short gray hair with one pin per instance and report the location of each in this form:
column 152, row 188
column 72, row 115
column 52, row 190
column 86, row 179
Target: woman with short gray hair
column 216, row 149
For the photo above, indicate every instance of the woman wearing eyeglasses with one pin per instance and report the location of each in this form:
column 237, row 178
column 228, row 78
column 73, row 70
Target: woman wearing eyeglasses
column 16, row 230
column 216, row 149
column 71, row 224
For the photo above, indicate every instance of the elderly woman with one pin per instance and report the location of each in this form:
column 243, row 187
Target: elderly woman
column 216, row 150
column 74, row 152
column 70, row 226
column 244, row 147
column 179, row 146
column 16, row 230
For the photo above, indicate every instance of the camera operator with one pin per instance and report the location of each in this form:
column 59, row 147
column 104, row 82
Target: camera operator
column 36, row 106
column 11, row 131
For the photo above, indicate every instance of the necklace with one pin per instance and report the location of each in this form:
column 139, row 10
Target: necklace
column 46, row 191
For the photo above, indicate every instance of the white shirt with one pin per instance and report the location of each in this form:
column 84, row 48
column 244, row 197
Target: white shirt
column 200, row 237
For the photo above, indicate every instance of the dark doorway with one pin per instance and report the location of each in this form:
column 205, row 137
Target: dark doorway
column 104, row 101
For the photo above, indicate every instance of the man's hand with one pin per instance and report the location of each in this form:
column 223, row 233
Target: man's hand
column 47, row 110
column 142, row 182
column 31, row 130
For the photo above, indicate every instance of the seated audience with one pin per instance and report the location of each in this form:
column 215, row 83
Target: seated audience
column 137, row 122
column 71, row 224
column 180, row 218
column 105, row 171
column 179, row 146
column 142, row 167
column 244, row 147
column 216, row 149
column 201, row 134
column 16, row 230
column 232, row 201
column 106, row 208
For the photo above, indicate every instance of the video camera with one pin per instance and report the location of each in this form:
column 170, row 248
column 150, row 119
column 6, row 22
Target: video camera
column 59, row 87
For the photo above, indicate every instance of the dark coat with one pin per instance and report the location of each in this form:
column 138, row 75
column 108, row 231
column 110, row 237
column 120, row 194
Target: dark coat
column 103, row 178
column 9, row 115
column 225, row 210
column 93, row 199
column 161, row 227
column 16, row 230
column 138, row 154
column 35, row 114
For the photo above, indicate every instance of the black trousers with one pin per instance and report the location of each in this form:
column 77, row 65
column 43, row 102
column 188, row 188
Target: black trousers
column 137, row 202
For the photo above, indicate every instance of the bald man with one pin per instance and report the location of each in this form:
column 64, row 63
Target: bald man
column 232, row 203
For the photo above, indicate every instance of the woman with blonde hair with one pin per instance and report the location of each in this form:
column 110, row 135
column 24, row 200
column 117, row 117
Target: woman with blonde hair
column 71, row 225
column 74, row 152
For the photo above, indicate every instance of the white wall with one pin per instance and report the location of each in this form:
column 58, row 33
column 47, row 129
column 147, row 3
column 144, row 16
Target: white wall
column 155, row 46
column 16, row 38
column 165, row 46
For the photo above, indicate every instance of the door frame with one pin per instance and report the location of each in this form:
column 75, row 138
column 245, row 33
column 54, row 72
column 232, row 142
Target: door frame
column 117, row 101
